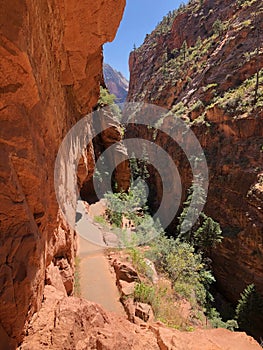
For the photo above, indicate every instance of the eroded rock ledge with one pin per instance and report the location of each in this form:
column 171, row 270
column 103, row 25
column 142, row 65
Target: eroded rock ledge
column 73, row 323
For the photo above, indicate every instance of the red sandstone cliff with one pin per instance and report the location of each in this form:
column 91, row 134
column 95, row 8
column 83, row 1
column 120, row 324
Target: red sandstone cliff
column 207, row 73
column 50, row 73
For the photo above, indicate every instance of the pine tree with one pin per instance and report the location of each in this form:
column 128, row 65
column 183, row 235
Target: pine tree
column 189, row 212
column 249, row 305
column 139, row 166
column 208, row 235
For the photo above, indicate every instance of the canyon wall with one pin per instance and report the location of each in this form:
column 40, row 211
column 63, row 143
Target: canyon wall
column 203, row 63
column 50, row 73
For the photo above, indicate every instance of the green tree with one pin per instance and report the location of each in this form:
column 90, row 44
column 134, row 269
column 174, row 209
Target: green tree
column 147, row 229
column 127, row 204
column 139, row 166
column 189, row 273
column 205, row 233
column 183, row 265
column 208, row 235
column 249, row 306
column 218, row 27
column 190, row 210
column 184, row 50
column 116, row 203
column 217, row 322
column 161, row 247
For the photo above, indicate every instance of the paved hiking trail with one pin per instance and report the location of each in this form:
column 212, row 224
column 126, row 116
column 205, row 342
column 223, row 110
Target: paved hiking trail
column 97, row 283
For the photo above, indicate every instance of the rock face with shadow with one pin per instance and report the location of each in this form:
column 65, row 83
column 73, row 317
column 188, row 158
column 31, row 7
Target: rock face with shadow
column 117, row 157
column 204, row 63
column 50, row 73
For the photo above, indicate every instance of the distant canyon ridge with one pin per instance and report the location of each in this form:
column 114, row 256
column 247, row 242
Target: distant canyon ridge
column 116, row 83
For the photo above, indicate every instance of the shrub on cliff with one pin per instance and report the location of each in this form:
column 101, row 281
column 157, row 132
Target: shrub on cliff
column 107, row 99
column 218, row 27
column 188, row 273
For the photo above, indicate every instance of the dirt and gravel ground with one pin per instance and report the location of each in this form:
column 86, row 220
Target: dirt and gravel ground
column 97, row 281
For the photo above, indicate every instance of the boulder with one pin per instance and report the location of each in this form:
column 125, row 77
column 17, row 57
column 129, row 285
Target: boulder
column 125, row 272
column 53, row 278
column 66, row 274
column 144, row 311
column 126, row 288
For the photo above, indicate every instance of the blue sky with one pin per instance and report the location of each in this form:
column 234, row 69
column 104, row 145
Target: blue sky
column 140, row 18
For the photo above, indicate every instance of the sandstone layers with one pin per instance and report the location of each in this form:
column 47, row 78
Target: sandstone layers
column 50, row 73
column 231, row 135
